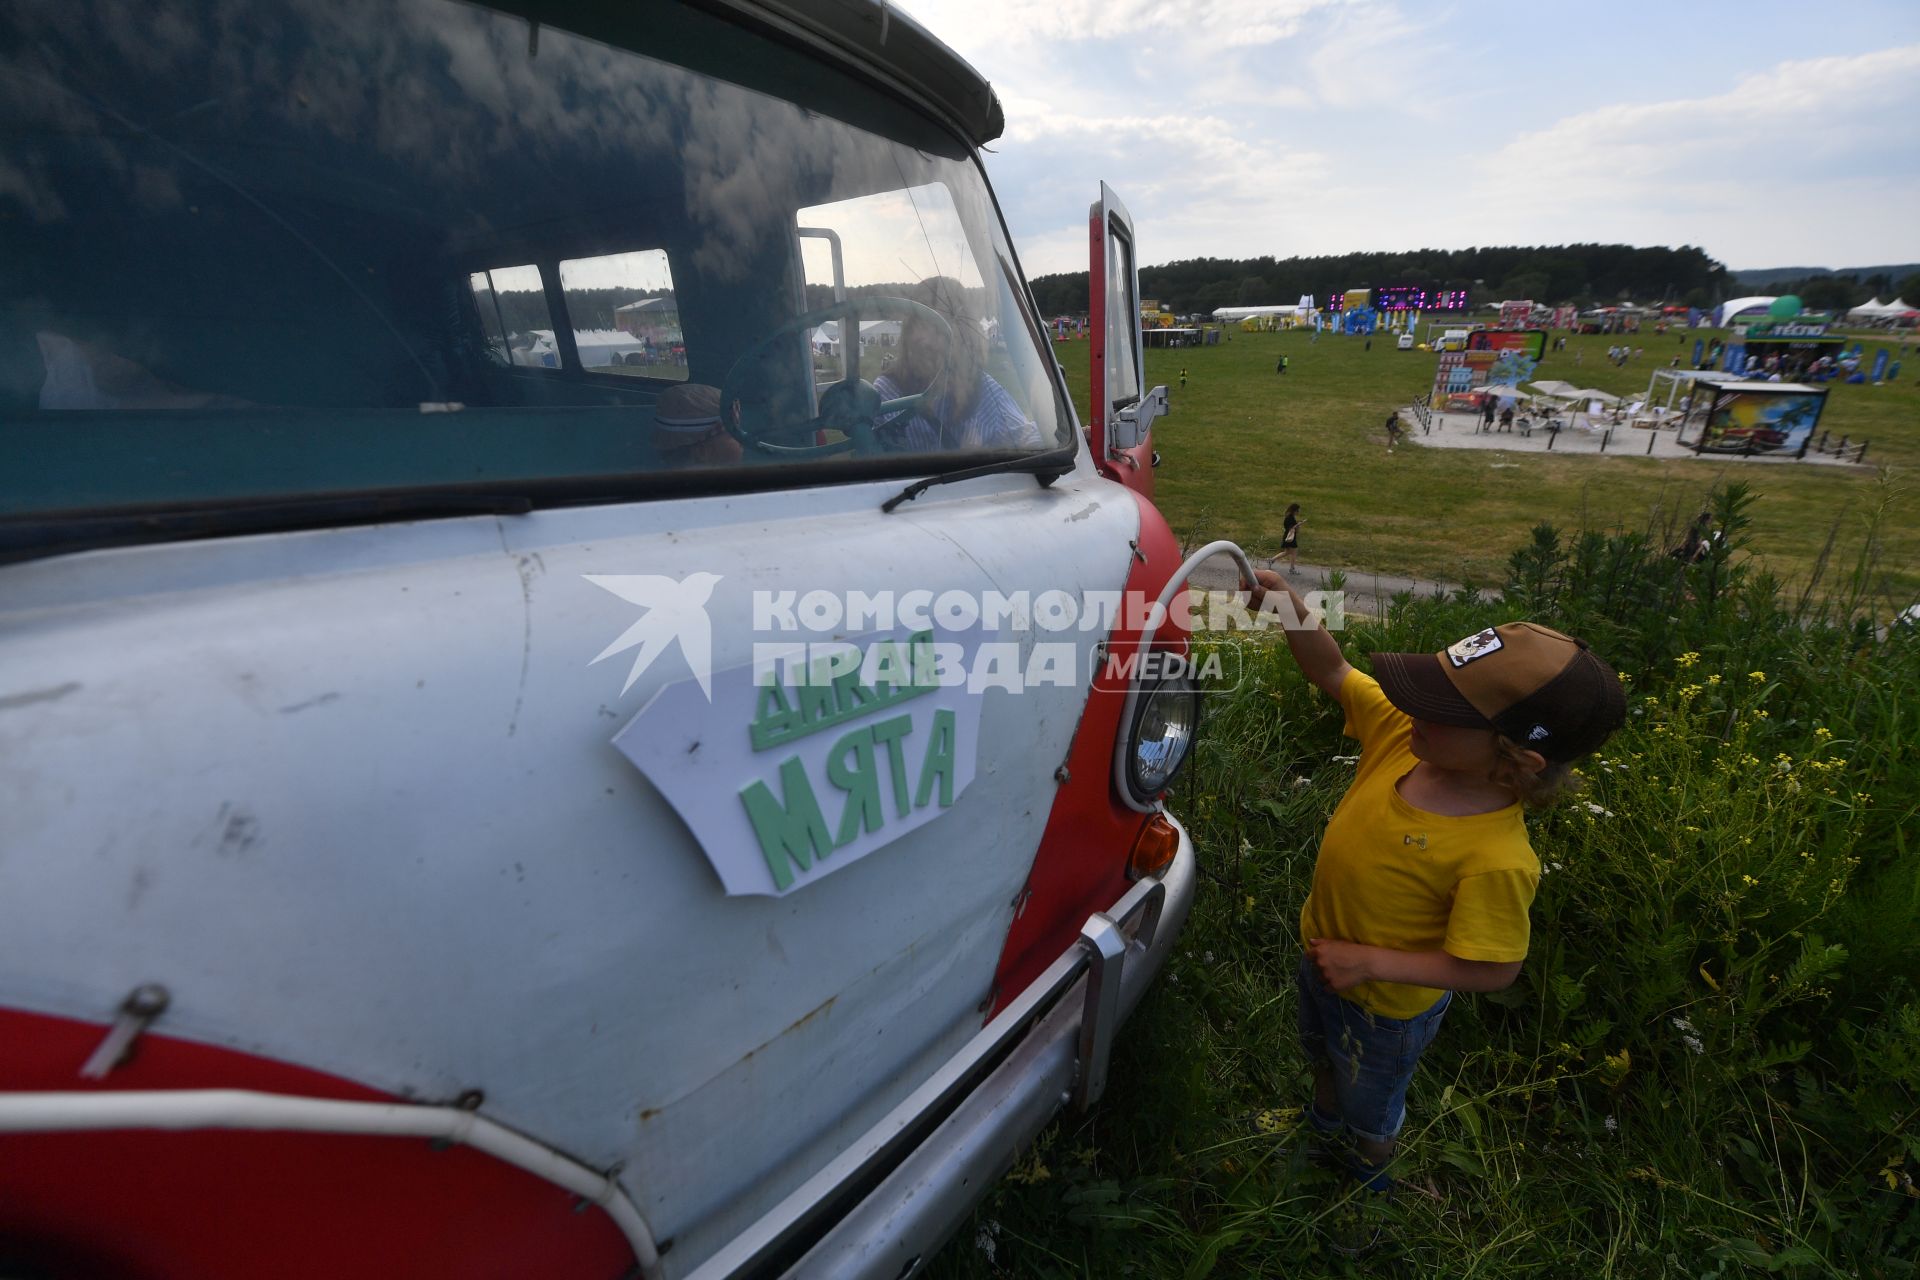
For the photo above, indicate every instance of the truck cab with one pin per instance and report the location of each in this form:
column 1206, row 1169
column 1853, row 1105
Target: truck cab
column 558, row 635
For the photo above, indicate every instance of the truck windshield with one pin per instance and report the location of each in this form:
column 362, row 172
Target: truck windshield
column 260, row 253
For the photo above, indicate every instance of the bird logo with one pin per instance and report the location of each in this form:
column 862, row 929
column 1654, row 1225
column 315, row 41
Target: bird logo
column 675, row 609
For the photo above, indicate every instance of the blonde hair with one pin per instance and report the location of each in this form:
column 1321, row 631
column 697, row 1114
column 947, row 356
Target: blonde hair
column 1539, row 789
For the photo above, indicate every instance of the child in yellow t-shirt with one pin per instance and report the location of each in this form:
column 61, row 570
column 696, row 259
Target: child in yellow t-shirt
column 1425, row 874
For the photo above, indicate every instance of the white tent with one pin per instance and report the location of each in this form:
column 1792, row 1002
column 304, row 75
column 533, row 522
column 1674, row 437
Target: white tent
column 1557, row 389
column 1872, row 307
column 1897, row 308
column 1740, row 306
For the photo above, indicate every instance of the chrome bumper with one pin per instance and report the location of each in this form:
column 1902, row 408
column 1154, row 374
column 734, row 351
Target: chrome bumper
column 1046, row 1049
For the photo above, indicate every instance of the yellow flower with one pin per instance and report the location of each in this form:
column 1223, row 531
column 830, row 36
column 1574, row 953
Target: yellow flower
column 1748, row 880
column 1823, row 733
column 1713, row 680
column 1614, row 1066
column 1758, row 677
column 1686, row 660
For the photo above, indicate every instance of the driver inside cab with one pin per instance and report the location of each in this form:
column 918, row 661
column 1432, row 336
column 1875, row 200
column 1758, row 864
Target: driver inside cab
column 964, row 407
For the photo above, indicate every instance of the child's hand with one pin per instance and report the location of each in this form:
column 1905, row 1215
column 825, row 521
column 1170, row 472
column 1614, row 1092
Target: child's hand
column 1266, row 580
column 1342, row 965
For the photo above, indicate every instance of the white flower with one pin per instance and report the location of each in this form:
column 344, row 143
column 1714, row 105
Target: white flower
column 1597, row 811
column 1206, row 957
column 1613, row 1126
column 1693, row 1044
column 1345, row 759
column 1681, row 1024
column 984, row 1241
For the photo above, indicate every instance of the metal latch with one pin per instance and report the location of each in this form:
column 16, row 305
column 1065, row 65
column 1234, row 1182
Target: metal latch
column 142, row 1005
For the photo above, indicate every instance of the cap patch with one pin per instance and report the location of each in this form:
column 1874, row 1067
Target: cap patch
column 1538, row 732
column 1474, row 647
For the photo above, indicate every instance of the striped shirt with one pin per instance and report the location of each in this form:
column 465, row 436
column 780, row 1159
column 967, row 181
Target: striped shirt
column 997, row 422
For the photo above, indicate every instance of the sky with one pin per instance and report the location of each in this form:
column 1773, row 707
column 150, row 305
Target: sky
column 1767, row 134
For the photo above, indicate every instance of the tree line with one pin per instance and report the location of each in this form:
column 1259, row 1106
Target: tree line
column 1582, row 274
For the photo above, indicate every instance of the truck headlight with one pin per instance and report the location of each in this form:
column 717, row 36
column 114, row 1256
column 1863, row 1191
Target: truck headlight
column 1161, row 735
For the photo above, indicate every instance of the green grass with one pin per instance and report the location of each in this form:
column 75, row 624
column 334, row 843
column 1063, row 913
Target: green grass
column 1710, row 1066
column 1242, row 442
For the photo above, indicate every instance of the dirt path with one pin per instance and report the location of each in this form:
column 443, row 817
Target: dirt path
column 1367, row 593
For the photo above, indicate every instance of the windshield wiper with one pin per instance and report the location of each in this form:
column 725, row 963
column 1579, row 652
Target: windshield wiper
column 1046, row 469
column 27, row 538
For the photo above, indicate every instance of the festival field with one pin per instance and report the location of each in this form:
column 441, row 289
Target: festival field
column 1244, row 441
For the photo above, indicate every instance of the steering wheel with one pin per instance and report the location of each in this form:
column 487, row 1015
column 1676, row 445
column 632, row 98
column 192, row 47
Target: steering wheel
column 849, row 406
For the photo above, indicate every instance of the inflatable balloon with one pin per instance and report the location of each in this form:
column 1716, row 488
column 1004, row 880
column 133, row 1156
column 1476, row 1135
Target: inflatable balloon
column 1785, row 307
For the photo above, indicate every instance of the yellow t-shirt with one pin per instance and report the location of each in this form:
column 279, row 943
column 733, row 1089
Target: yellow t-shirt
column 1391, row 875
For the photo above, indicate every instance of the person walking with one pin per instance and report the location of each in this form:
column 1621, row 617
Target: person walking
column 1487, row 410
column 1183, row 377
column 1290, row 535
column 1394, row 431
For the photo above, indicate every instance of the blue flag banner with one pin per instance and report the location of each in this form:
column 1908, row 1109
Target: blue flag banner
column 1879, row 373
column 1736, row 360
column 1699, row 350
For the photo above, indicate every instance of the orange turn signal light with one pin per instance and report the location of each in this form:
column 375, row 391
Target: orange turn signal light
column 1154, row 848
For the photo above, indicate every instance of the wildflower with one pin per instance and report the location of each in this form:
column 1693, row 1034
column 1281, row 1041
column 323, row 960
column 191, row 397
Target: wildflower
column 1597, row 811
column 1749, row 880
column 984, row 1239
column 1713, row 680
column 1693, row 1044
column 1206, row 957
column 1615, row 1066
column 1760, row 715
column 1613, row 1126
column 1823, row 733
column 1686, row 660
column 1345, row 759
column 1624, row 677
column 1758, row 677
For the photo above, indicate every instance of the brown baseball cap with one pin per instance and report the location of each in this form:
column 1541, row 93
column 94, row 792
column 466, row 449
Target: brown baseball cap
column 1544, row 690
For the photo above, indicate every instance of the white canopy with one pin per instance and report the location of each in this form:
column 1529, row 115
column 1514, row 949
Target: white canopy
column 1871, row 307
column 1897, row 308
column 1501, row 391
column 1589, row 395
column 1739, row 306
column 1557, row 389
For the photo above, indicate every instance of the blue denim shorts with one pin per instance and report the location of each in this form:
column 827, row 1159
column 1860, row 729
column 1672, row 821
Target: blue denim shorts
column 1372, row 1057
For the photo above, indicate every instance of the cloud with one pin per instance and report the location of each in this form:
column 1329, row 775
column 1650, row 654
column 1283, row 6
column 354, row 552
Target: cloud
column 968, row 24
column 1315, row 126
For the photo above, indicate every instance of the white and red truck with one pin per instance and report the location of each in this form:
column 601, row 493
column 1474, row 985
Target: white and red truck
column 472, row 805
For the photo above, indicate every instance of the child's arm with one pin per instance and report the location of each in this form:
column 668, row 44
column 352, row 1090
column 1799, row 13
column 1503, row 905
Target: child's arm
column 1317, row 652
column 1345, row 965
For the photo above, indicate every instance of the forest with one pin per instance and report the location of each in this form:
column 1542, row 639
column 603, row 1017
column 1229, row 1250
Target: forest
column 1586, row 274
